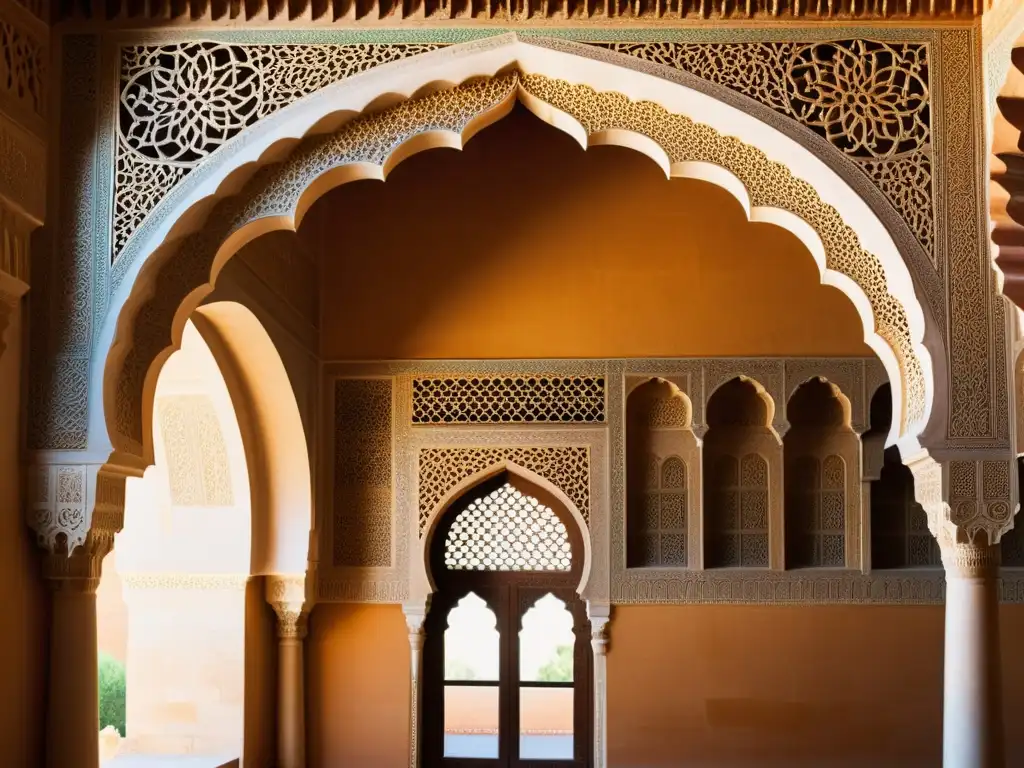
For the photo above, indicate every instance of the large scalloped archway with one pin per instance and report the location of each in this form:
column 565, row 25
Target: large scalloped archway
column 269, row 176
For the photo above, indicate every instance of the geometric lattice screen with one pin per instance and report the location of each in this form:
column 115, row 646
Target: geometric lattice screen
column 508, row 399
column 664, row 528
column 816, row 513
column 507, row 531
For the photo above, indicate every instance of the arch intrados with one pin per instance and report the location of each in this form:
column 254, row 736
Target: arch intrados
column 273, row 439
column 354, row 94
column 759, row 390
column 837, row 393
column 555, row 498
column 647, row 389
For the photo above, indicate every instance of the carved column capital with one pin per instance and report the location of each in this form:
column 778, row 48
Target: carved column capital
column 872, row 455
column 75, row 510
column 968, row 500
column 287, row 596
column 971, row 561
column 600, row 620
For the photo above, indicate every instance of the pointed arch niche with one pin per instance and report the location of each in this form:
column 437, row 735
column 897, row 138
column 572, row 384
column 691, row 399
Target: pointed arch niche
column 822, row 479
column 663, row 483
column 742, row 479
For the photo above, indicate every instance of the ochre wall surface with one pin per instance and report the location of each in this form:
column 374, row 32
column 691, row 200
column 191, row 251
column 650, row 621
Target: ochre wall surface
column 24, row 643
column 722, row 686
column 524, row 245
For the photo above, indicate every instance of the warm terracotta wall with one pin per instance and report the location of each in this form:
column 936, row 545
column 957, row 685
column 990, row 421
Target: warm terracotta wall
column 357, row 683
column 786, row 686
column 729, row 686
column 524, row 245
column 259, row 749
column 24, row 642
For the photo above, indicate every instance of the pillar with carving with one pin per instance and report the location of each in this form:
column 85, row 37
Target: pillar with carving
column 600, row 616
column 287, row 596
column 77, row 511
column 415, row 615
column 970, row 505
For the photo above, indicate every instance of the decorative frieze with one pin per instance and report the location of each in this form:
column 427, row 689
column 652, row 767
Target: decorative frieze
column 197, row 456
column 535, row 13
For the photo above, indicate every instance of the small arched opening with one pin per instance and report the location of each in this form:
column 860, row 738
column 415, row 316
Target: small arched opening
column 818, row 449
column 739, row 451
column 899, row 525
column 507, row 657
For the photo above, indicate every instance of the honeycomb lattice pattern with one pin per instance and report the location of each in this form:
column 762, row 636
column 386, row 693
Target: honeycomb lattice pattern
column 508, row 399
column 507, row 531
column 441, row 469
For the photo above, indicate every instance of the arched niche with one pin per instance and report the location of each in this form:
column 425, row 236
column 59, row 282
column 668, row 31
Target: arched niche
column 822, row 479
column 421, row 579
column 742, row 459
column 899, row 525
column 662, row 477
column 268, row 177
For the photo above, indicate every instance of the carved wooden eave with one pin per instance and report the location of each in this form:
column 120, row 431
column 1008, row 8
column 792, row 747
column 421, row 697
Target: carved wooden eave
column 540, row 13
column 1006, row 193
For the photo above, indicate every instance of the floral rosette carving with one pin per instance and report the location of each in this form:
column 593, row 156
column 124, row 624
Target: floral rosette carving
column 870, row 99
column 185, row 101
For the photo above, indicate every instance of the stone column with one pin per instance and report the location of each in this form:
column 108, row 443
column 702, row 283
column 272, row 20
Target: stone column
column 600, row 616
column 970, row 504
column 75, row 510
column 415, row 615
column 972, row 722
column 287, row 595
column 72, row 716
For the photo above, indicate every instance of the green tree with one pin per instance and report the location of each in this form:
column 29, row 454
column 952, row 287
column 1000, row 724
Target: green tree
column 113, row 693
column 558, row 669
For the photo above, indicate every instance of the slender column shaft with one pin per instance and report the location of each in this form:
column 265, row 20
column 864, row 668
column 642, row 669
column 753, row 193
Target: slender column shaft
column 972, row 728
column 72, row 716
column 599, row 619
column 291, row 696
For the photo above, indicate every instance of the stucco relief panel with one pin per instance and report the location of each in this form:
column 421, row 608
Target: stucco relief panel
column 197, row 456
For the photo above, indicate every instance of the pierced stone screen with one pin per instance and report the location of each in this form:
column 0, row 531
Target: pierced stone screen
column 508, row 399
column 507, row 531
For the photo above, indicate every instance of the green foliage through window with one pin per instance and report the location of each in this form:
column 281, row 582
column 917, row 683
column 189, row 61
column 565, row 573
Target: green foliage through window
column 113, row 693
column 558, row 669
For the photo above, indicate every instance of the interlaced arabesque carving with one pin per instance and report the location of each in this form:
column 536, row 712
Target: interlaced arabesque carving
column 738, row 524
column 664, row 514
column 820, row 513
column 507, row 399
column 362, row 472
column 197, row 456
column 181, row 101
column 22, row 69
column 507, row 531
column 868, row 99
column 441, row 469
column 274, row 191
column 769, row 184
